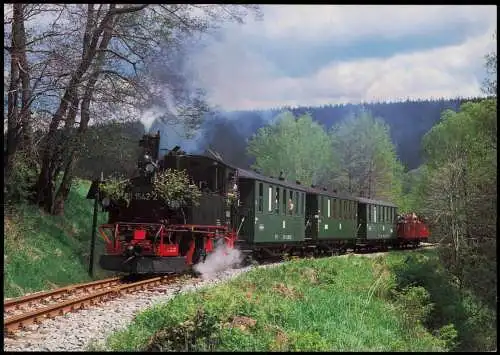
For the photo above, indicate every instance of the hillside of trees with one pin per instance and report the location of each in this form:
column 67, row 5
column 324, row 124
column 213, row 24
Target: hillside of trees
column 408, row 121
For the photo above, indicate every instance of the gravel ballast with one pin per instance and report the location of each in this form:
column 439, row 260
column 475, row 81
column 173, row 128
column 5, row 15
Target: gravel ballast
column 75, row 331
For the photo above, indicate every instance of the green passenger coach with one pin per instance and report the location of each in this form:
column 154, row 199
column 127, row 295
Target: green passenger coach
column 273, row 209
column 376, row 219
column 330, row 216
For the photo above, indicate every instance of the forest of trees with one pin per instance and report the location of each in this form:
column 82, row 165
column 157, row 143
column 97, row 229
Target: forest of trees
column 408, row 121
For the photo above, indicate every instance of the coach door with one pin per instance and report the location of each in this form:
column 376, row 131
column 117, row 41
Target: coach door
column 312, row 216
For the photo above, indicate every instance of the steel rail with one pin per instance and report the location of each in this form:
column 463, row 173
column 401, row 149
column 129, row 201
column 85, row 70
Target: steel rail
column 16, row 303
column 36, row 316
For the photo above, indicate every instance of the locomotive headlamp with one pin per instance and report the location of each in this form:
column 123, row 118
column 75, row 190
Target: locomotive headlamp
column 150, row 167
column 105, row 202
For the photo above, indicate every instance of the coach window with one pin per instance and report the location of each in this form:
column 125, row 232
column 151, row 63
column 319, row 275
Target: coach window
column 277, row 201
column 368, row 207
column 387, row 219
column 329, row 207
column 296, row 203
column 283, row 198
column 302, row 203
column 270, row 200
column 301, row 195
column 260, row 203
column 290, row 200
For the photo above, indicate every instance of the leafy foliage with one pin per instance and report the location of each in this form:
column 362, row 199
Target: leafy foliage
column 490, row 82
column 22, row 177
column 116, row 189
column 459, row 319
column 171, row 186
column 367, row 158
column 174, row 185
column 296, row 146
column 457, row 192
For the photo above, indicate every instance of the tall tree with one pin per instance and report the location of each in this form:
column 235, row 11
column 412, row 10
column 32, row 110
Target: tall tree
column 296, row 146
column 490, row 82
column 96, row 62
column 367, row 160
column 459, row 191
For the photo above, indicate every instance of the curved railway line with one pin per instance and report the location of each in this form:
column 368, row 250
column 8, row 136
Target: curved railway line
column 33, row 308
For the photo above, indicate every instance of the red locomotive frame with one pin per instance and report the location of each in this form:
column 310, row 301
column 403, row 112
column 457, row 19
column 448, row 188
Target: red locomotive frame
column 157, row 239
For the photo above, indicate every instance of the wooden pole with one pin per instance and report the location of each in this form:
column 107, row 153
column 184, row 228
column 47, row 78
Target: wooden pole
column 94, row 227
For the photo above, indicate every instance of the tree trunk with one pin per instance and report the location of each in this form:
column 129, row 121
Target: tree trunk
column 64, row 188
column 57, row 208
column 24, row 74
column 44, row 186
column 13, row 126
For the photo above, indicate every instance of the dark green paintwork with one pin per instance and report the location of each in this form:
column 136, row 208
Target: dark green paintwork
column 266, row 219
column 377, row 221
column 337, row 218
column 263, row 225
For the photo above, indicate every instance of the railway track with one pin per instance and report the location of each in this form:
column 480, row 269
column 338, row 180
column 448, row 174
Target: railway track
column 32, row 309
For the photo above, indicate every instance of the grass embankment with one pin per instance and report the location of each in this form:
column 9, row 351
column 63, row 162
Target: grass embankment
column 42, row 251
column 333, row 304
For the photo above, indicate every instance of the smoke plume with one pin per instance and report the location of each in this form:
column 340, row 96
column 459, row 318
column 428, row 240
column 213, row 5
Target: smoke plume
column 222, row 258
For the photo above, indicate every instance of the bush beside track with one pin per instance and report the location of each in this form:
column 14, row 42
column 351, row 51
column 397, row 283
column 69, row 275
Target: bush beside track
column 399, row 301
column 43, row 252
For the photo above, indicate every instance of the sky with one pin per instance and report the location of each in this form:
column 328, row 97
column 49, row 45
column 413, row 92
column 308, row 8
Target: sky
column 327, row 54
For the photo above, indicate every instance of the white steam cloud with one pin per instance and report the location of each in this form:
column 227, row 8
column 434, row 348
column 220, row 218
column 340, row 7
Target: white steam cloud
column 222, row 258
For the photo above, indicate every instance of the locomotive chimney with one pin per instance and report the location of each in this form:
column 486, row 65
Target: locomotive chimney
column 281, row 177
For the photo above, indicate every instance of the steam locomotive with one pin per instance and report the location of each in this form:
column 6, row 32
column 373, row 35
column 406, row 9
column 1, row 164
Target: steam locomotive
column 260, row 215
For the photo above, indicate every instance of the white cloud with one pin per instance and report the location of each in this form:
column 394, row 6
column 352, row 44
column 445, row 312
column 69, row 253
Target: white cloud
column 237, row 78
column 347, row 22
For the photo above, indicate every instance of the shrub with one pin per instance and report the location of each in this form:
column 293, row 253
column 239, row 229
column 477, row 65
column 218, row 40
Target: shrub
column 21, row 179
column 414, row 303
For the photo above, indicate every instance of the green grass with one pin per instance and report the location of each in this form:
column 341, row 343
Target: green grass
column 333, row 304
column 42, row 251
